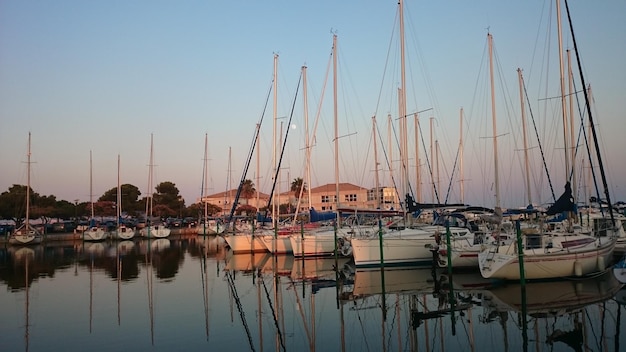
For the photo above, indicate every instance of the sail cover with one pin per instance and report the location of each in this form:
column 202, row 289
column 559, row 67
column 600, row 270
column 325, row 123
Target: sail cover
column 564, row 203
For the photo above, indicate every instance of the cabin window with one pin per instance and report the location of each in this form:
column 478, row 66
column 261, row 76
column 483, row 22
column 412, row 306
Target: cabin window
column 533, row 242
column 600, row 226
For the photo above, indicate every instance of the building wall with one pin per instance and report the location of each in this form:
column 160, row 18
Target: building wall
column 322, row 198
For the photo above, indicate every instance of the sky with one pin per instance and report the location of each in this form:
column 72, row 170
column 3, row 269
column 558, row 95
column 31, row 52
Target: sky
column 103, row 76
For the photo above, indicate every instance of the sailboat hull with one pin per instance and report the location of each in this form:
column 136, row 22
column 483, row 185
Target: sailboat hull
column 245, row 243
column 279, row 244
column 311, row 245
column 155, row 231
column 25, row 237
column 95, row 235
column 547, row 262
column 124, row 233
column 397, row 248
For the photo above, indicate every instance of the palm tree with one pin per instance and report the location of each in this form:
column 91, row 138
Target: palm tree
column 247, row 190
column 298, row 186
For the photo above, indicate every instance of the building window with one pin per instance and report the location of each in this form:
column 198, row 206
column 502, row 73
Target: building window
column 325, row 199
column 350, row 197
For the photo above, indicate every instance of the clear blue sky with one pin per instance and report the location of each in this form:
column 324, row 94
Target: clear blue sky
column 104, row 75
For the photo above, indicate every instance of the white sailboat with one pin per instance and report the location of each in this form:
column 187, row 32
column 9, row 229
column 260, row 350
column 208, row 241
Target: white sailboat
column 26, row 234
column 95, row 232
column 323, row 242
column 278, row 241
column 551, row 254
column 398, row 245
column 248, row 240
column 205, row 226
column 152, row 230
column 122, row 232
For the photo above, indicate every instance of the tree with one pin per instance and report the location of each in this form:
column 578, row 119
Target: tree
column 247, row 209
column 130, row 198
column 298, row 186
column 13, row 202
column 247, row 190
column 168, row 195
column 197, row 210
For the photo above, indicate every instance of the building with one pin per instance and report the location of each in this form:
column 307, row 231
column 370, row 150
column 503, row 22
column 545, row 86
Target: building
column 323, row 198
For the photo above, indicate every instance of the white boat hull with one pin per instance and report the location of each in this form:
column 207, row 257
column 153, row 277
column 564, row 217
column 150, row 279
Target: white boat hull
column 155, row 231
column 124, row 233
column 280, row 244
column 547, row 263
column 24, row 236
column 95, row 234
column 245, row 243
column 398, row 249
column 313, row 245
column 210, row 229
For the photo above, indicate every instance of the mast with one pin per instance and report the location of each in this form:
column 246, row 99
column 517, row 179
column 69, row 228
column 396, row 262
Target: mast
column 28, row 186
column 149, row 195
column 258, row 168
column 591, row 124
column 204, row 182
column 229, row 179
column 377, row 194
column 432, row 153
column 307, row 141
column 461, row 173
column 418, row 180
column 402, row 100
column 390, row 148
column 91, row 185
column 493, row 120
column 119, row 194
column 562, row 82
column 523, row 110
column 275, row 206
column 336, row 127
column 571, row 93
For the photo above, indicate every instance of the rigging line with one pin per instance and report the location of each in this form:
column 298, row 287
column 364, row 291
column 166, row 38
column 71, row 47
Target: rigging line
column 387, row 59
column 393, row 180
column 543, row 158
column 430, row 170
column 282, row 151
column 269, row 301
column 456, row 158
column 593, row 129
column 247, row 165
column 584, row 133
column 242, row 314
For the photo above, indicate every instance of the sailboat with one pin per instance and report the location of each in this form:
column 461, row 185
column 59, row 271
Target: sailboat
column 248, row 240
column 325, row 241
column 122, row 232
column 152, row 230
column 551, row 254
column 398, row 244
column 205, row 227
column 95, row 232
column 25, row 233
column 278, row 241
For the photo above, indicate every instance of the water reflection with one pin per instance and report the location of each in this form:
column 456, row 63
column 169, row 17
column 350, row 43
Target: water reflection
column 192, row 292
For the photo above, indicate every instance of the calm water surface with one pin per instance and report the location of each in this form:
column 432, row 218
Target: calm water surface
column 192, row 294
